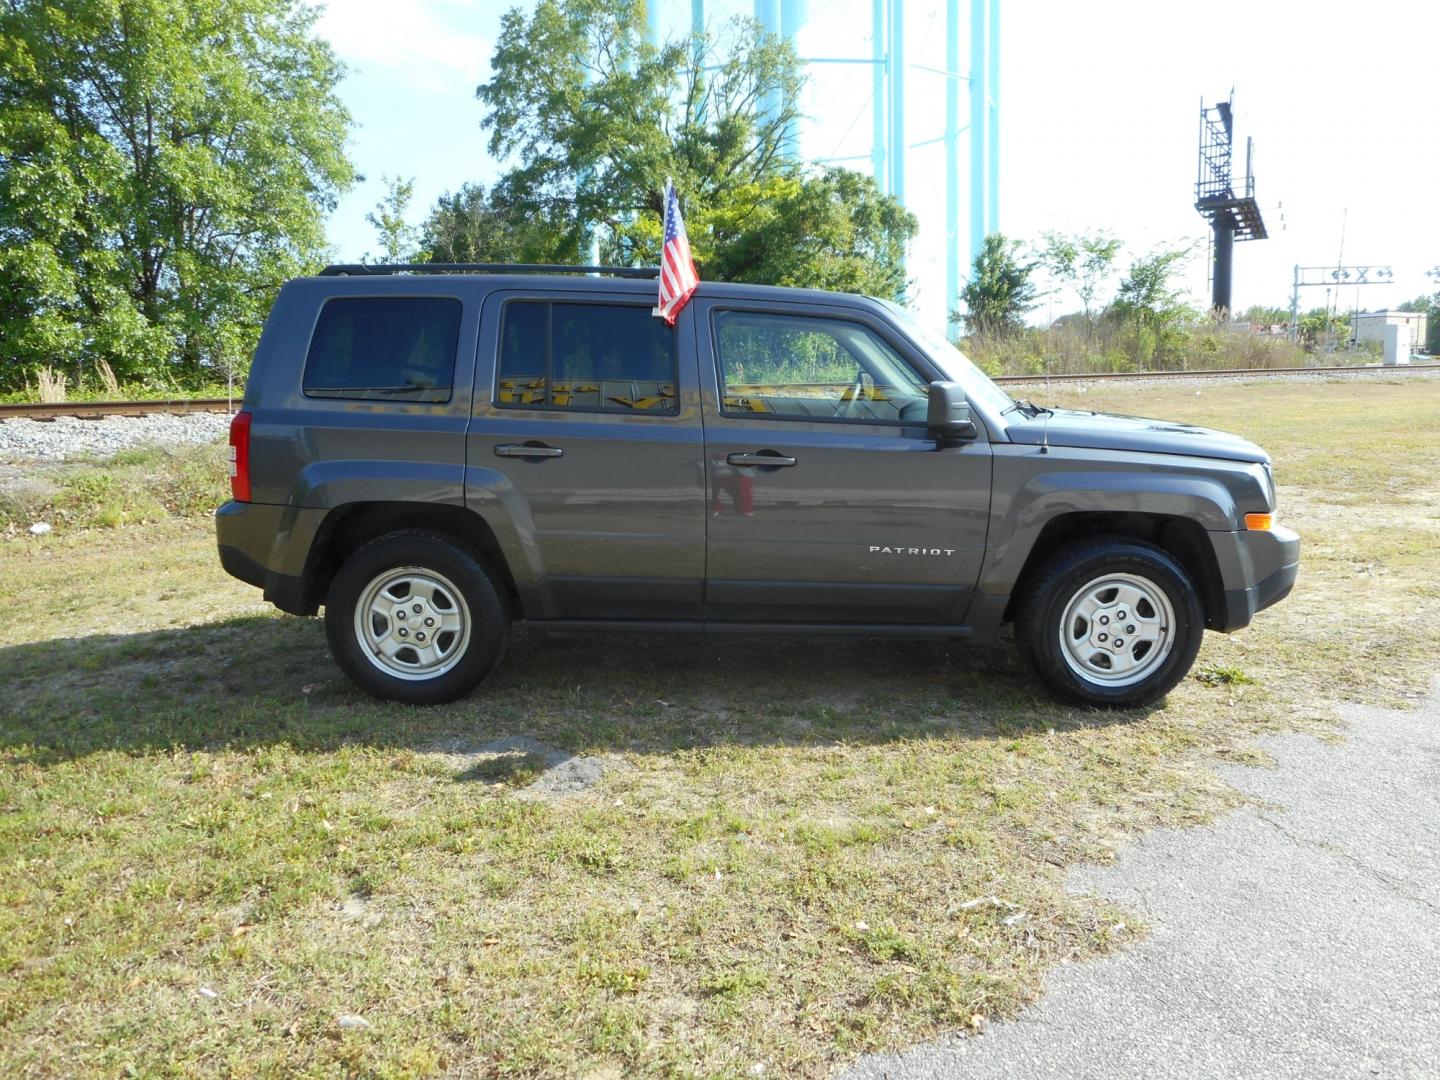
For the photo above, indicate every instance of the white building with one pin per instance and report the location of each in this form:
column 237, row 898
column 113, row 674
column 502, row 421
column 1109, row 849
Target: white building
column 1370, row 326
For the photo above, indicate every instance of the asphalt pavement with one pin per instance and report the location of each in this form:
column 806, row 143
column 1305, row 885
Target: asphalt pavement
column 1295, row 938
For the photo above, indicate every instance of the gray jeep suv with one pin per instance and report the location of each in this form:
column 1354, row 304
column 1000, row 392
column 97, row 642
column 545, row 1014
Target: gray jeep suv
column 433, row 453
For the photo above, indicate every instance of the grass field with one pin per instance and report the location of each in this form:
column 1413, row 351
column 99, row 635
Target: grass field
column 216, row 858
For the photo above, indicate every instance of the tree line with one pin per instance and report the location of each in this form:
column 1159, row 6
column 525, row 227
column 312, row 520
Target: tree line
column 165, row 165
column 1147, row 322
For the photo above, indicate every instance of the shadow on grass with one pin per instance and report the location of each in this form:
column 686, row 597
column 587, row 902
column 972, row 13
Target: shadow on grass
column 263, row 680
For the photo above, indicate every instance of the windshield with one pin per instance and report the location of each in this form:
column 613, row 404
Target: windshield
column 955, row 364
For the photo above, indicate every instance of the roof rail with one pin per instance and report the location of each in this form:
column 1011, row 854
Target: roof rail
column 370, row 269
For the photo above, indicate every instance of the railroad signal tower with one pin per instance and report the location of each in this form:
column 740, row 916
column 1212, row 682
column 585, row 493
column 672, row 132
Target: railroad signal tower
column 1233, row 213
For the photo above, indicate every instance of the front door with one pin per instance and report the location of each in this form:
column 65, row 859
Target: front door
column 587, row 404
column 827, row 501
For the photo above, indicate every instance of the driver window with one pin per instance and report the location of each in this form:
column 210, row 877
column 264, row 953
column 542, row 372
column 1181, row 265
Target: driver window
column 791, row 367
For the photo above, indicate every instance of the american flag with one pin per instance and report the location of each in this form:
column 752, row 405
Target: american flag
column 678, row 278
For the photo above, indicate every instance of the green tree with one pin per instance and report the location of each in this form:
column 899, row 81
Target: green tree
column 1000, row 290
column 1259, row 315
column 1082, row 262
column 164, row 166
column 834, row 230
column 596, row 118
column 471, row 225
column 1151, row 305
column 399, row 241
column 1149, row 293
column 1323, row 330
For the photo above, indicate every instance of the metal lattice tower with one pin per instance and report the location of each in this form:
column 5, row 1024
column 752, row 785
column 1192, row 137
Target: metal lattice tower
column 1233, row 215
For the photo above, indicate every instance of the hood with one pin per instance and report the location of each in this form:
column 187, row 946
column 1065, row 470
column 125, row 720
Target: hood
column 1102, row 431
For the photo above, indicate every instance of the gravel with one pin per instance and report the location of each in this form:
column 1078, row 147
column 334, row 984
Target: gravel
column 67, row 438
column 1297, row 938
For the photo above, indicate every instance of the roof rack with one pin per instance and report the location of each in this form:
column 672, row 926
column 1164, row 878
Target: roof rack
column 372, row 269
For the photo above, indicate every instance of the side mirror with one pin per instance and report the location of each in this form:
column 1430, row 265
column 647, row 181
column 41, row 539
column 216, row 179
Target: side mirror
column 948, row 419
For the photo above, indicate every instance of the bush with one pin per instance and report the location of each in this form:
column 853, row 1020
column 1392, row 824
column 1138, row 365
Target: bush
column 136, row 485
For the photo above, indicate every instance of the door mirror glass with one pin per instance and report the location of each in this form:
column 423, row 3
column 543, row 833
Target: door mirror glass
column 949, row 416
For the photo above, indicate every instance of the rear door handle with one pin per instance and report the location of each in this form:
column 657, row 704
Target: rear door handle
column 527, row 450
column 772, row 460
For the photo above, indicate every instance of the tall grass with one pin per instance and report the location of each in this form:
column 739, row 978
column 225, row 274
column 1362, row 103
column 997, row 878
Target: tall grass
column 50, row 385
column 105, row 375
column 1107, row 346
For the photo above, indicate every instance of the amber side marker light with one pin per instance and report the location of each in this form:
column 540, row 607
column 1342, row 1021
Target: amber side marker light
column 1259, row 522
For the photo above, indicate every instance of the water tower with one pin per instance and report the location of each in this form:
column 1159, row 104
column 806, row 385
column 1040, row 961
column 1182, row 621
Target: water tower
column 887, row 66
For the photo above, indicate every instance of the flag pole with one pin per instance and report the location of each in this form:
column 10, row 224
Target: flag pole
column 664, row 213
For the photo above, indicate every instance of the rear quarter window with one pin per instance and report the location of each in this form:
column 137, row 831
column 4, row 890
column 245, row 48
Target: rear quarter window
column 385, row 348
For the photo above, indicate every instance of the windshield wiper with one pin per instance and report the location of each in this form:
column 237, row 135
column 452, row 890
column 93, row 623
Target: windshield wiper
column 408, row 388
column 1029, row 408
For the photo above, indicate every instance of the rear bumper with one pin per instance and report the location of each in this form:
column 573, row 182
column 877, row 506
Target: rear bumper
column 1258, row 569
column 268, row 546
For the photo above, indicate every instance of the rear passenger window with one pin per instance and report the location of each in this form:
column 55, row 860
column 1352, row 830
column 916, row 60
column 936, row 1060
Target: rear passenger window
column 589, row 357
column 391, row 348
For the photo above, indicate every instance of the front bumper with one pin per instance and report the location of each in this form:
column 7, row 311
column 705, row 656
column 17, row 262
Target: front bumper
column 1257, row 568
column 268, row 546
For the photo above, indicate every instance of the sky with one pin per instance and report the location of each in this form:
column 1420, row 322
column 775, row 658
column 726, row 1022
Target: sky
column 1099, row 120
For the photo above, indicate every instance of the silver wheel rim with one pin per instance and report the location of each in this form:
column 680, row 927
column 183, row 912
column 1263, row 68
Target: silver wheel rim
column 1117, row 630
column 412, row 623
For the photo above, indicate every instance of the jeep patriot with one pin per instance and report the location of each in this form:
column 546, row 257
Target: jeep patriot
column 434, row 454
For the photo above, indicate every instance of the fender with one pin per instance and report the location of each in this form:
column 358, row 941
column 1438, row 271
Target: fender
column 485, row 492
column 1032, row 489
column 329, row 484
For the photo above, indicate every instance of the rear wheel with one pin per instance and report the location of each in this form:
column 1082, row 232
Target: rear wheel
column 412, row 617
column 1111, row 623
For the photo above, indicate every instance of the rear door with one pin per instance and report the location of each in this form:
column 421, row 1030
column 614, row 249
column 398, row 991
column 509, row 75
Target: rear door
column 588, row 406
column 828, row 502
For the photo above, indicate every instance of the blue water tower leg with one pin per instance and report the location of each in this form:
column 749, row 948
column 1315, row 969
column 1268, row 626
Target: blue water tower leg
column 992, row 124
column 877, row 93
column 952, row 155
column 767, row 14
column 979, row 115
column 897, row 99
column 793, row 16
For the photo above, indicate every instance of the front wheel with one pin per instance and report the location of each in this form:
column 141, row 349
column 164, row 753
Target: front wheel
column 1111, row 623
column 411, row 617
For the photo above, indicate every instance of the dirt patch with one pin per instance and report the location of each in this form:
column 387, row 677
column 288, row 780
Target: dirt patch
column 533, row 769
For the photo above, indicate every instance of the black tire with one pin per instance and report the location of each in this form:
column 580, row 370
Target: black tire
column 1068, row 575
column 463, row 657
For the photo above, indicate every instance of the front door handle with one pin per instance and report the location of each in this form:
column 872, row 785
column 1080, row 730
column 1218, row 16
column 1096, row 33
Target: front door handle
column 768, row 459
column 527, row 450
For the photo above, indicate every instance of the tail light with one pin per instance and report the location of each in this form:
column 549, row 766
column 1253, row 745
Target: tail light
column 240, row 457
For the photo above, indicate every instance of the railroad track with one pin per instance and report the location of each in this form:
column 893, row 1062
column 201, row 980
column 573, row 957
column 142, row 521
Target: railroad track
column 94, row 410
